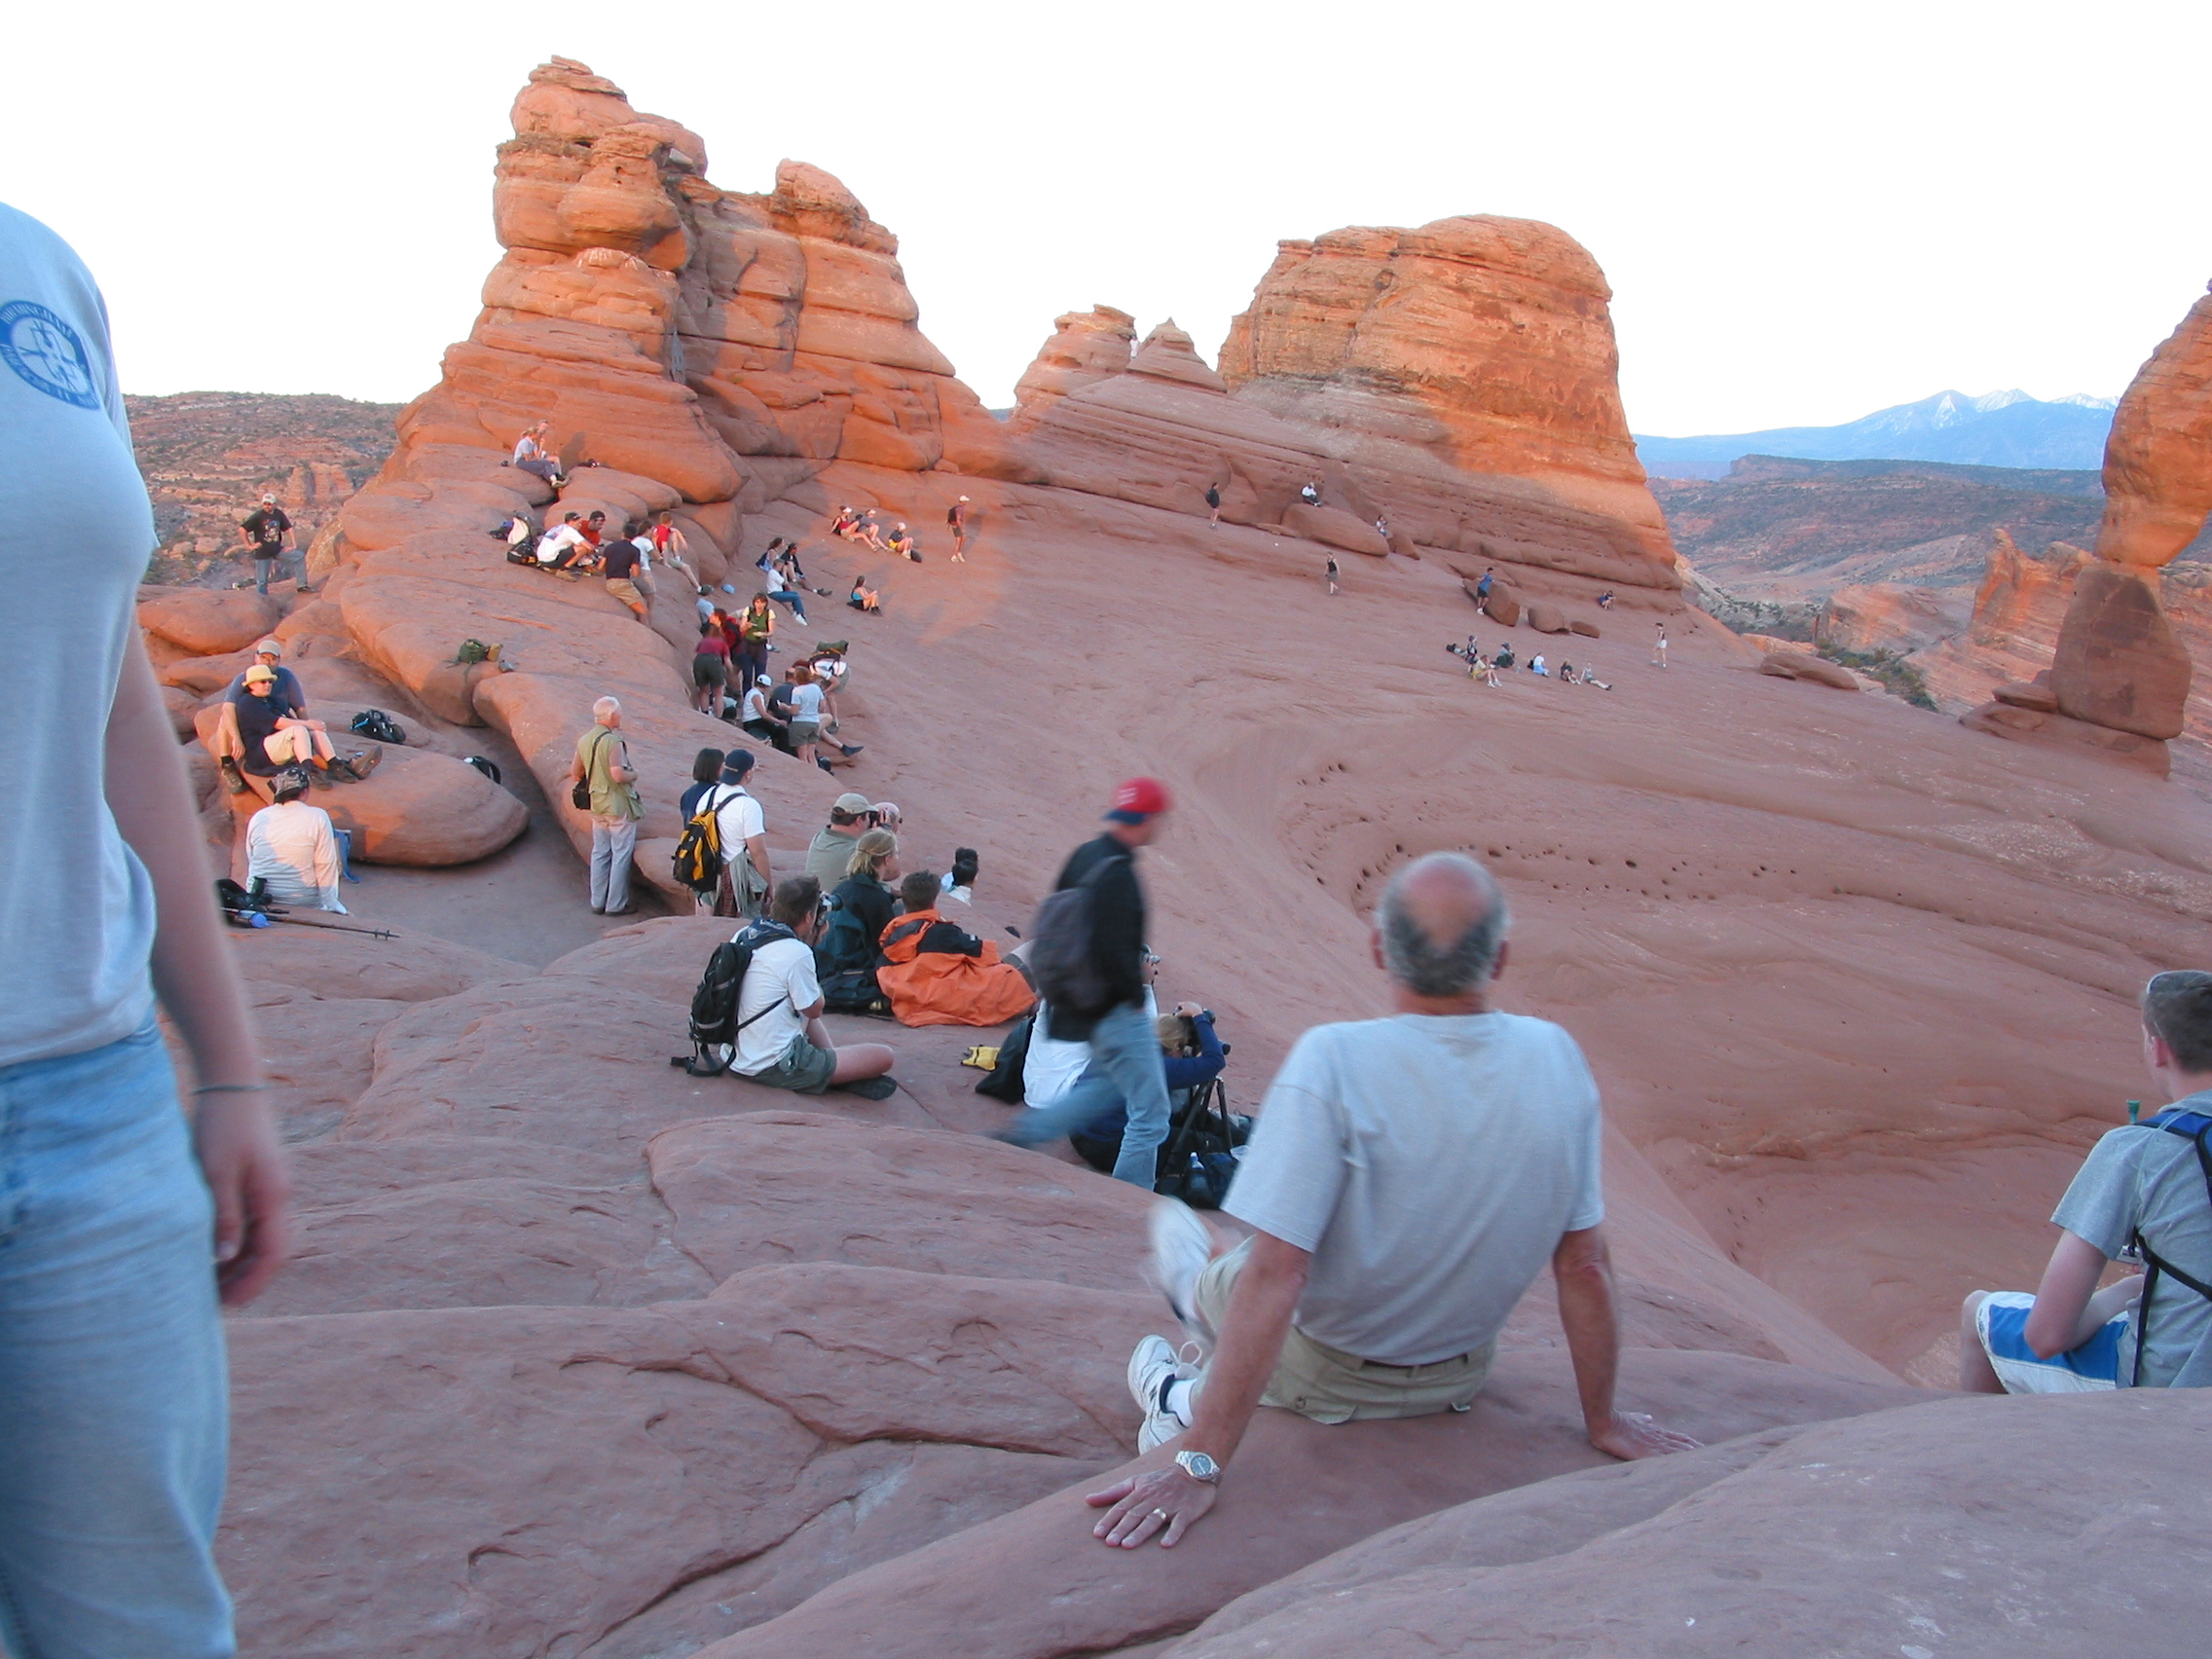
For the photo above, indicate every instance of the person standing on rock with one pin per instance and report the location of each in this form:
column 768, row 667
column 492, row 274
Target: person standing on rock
column 755, row 629
column 1482, row 592
column 1332, row 573
column 265, row 531
column 602, row 764
column 742, row 827
column 126, row 1225
column 1659, row 650
column 1409, row 1179
column 956, row 516
column 1213, row 505
column 1124, row 1049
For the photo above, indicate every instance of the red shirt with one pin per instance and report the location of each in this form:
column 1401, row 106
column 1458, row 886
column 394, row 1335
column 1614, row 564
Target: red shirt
column 714, row 645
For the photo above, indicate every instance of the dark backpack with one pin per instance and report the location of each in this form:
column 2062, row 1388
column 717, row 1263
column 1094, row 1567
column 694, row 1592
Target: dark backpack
column 490, row 768
column 1002, row 1082
column 2191, row 1127
column 378, row 726
column 1197, row 1161
column 715, row 1024
column 844, row 945
column 1064, row 958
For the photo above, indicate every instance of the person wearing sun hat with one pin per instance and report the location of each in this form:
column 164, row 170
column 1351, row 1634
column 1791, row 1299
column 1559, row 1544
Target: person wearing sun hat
column 831, row 854
column 1124, row 1050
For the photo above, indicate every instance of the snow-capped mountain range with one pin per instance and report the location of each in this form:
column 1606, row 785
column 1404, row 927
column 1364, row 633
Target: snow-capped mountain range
column 1997, row 428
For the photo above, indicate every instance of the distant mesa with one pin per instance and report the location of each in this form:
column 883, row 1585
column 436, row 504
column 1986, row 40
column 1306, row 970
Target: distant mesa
column 1998, row 428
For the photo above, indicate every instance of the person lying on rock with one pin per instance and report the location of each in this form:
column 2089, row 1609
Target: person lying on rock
column 936, row 972
column 780, row 1041
column 291, row 848
column 2143, row 1195
column 1409, row 1179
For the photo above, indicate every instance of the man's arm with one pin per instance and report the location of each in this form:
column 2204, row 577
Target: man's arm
column 622, row 771
column 1260, row 1310
column 2069, row 1308
column 198, row 982
column 757, row 849
column 1583, row 1268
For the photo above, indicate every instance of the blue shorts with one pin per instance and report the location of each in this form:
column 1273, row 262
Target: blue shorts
column 2002, row 1323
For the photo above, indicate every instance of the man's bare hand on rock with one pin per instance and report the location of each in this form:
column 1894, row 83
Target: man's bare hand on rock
column 1630, row 1435
column 1165, row 1501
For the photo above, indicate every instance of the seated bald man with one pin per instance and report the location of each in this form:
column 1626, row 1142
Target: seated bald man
column 1409, row 1179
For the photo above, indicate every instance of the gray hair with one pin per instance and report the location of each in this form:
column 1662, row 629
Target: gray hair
column 1449, row 967
column 606, row 706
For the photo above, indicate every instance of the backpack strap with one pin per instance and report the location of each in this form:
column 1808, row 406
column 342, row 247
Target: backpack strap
column 2156, row 1266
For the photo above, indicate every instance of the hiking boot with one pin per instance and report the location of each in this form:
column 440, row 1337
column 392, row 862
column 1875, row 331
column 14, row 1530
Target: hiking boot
column 1181, row 1248
column 234, row 779
column 849, row 750
column 870, row 1088
column 1152, row 1369
column 336, row 772
column 365, row 762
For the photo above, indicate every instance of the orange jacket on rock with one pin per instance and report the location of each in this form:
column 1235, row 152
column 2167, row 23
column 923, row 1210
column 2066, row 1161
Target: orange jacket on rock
column 937, row 974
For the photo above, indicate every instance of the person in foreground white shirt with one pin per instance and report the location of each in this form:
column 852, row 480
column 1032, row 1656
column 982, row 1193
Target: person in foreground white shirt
column 291, row 846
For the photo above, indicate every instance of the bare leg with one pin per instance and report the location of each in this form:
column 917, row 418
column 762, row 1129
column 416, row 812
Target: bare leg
column 1976, row 1376
column 860, row 1060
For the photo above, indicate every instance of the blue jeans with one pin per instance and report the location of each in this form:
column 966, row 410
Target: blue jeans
column 1125, row 1065
column 784, row 597
column 113, row 1389
column 263, row 568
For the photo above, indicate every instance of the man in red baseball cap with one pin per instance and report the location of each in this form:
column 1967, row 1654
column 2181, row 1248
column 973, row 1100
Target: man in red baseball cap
column 1124, row 1052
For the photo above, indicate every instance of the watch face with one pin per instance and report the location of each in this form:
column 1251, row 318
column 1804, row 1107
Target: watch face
column 1197, row 1465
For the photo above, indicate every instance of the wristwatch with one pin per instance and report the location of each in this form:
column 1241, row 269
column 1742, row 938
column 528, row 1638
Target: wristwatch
column 1199, row 1466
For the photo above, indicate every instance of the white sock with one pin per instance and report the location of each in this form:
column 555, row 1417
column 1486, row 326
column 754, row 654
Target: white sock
column 1177, row 1400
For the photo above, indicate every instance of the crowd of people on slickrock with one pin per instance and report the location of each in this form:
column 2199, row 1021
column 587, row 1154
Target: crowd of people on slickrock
column 1408, row 1178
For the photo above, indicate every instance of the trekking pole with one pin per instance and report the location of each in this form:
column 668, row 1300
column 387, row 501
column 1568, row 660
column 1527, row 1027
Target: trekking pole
column 333, row 926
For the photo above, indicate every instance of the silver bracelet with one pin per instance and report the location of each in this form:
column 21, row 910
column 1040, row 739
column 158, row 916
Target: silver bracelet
column 234, row 1088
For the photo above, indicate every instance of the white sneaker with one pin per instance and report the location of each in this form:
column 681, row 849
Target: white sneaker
column 1181, row 1248
column 1152, row 1367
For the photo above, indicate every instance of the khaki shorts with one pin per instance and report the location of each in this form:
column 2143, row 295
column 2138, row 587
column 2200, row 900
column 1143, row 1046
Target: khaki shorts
column 804, row 731
column 1330, row 1385
column 800, row 1067
column 625, row 590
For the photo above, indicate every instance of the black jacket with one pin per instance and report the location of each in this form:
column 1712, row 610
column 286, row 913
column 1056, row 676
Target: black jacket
column 1118, row 927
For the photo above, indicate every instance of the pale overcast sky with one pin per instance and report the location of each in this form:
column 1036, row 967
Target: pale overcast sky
column 1806, row 211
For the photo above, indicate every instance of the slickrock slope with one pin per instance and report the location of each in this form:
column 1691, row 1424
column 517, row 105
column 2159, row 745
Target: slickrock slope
column 586, row 1357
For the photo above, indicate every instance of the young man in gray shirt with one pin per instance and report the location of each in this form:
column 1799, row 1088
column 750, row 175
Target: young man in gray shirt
column 2144, row 1194
column 1409, row 1179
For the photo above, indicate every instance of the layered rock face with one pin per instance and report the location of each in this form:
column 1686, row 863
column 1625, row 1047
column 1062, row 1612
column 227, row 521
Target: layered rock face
column 2119, row 675
column 726, row 344
column 1456, row 382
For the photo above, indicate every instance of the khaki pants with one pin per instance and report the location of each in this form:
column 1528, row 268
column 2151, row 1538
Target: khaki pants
column 1330, row 1385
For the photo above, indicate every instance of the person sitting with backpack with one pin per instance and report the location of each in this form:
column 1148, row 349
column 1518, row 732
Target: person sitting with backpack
column 863, row 598
column 2144, row 1192
column 780, row 1039
column 1191, row 1057
column 937, row 974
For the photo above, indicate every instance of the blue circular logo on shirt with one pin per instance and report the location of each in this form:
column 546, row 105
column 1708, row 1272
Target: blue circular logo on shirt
column 47, row 353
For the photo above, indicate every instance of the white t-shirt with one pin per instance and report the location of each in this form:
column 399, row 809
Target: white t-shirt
column 1430, row 1165
column 292, row 847
column 738, row 818
column 782, row 979
column 76, row 906
column 806, row 702
column 1051, row 1066
column 645, row 546
column 757, row 704
column 558, row 537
